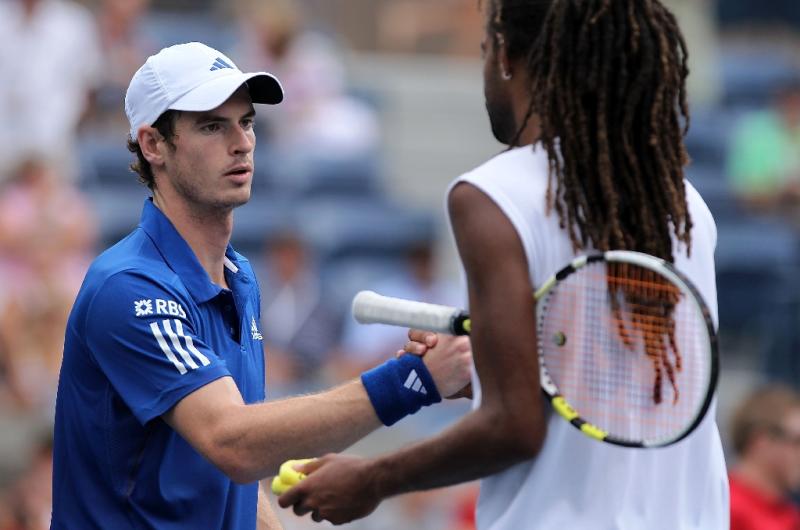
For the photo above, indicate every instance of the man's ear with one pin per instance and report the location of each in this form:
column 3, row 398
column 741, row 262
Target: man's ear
column 506, row 69
column 151, row 143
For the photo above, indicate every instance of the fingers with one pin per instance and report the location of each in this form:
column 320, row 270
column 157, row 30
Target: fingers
column 292, row 498
column 295, row 494
column 420, row 342
column 308, row 467
column 301, row 506
column 300, row 510
column 450, row 364
column 414, row 348
column 427, row 338
column 338, row 500
column 297, row 498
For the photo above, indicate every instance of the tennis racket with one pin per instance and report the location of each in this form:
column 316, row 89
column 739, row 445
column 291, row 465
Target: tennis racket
column 627, row 349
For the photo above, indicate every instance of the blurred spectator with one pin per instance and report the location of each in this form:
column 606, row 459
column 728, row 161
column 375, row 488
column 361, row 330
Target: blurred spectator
column 318, row 118
column 124, row 48
column 29, row 500
column 770, row 19
column 364, row 345
column 300, row 329
column 465, row 503
column 764, row 160
column 47, row 234
column 51, row 62
column 7, row 519
column 452, row 26
column 765, row 431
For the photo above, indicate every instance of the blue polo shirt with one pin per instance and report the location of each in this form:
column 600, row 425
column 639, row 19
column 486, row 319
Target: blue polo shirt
column 148, row 328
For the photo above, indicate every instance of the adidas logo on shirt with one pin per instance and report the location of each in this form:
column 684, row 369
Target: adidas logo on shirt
column 254, row 330
column 413, row 382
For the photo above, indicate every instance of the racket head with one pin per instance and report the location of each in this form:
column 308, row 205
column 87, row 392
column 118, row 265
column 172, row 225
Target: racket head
column 627, row 348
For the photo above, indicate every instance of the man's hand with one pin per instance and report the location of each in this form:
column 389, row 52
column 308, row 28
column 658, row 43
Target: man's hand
column 448, row 359
column 338, row 488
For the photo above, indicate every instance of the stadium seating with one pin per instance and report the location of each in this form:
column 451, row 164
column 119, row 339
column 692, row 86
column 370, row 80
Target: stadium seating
column 751, row 76
column 757, row 262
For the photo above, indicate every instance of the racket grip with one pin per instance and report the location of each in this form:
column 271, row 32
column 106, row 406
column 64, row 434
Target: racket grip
column 370, row 307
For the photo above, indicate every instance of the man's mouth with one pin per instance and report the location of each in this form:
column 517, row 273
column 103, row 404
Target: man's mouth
column 240, row 170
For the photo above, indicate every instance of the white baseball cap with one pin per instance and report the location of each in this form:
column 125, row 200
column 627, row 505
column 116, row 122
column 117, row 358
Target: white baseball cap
column 192, row 77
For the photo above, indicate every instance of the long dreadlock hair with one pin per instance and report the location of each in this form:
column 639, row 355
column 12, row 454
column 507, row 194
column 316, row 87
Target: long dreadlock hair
column 608, row 87
column 607, row 83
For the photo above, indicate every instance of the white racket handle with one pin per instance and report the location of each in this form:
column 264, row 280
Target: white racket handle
column 370, row 307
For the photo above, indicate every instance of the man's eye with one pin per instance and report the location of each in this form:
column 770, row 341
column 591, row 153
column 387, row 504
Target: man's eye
column 211, row 127
column 247, row 123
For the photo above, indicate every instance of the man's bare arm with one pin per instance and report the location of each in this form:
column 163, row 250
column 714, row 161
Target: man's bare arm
column 507, row 428
column 249, row 442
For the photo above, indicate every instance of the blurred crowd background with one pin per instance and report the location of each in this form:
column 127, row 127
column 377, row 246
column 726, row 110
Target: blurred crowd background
column 383, row 108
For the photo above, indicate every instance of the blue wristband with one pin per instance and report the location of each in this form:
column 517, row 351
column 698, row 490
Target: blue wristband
column 400, row 387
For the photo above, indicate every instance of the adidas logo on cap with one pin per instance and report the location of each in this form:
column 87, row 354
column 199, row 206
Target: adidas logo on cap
column 219, row 64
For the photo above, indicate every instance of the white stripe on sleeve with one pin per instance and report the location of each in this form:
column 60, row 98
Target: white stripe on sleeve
column 176, row 343
column 190, row 344
column 165, row 348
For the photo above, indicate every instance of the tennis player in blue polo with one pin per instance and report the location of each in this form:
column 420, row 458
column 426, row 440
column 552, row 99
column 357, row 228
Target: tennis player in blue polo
column 160, row 415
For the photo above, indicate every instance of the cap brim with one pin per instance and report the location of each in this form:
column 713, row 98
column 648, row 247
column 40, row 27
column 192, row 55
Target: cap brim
column 264, row 88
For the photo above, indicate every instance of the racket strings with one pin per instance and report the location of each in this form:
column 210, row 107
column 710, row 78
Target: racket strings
column 649, row 302
column 626, row 349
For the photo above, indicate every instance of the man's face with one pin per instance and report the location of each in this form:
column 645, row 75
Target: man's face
column 497, row 91
column 786, row 452
column 789, row 107
column 211, row 167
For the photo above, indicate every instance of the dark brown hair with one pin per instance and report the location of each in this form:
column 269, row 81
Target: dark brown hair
column 608, row 86
column 165, row 125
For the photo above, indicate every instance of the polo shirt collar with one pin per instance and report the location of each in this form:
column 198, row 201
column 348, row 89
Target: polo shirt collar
column 179, row 255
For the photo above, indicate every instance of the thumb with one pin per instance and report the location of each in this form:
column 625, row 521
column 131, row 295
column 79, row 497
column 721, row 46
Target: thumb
column 308, row 465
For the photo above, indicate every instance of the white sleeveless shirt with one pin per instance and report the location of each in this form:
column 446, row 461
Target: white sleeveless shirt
column 576, row 483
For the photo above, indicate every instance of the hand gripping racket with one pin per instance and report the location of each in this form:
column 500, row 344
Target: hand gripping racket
column 627, row 349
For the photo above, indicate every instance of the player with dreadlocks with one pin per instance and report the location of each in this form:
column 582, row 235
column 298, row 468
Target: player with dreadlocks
column 589, row 95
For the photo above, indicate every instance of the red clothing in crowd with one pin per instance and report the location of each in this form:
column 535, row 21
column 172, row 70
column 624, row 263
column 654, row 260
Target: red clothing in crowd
column 752, row 510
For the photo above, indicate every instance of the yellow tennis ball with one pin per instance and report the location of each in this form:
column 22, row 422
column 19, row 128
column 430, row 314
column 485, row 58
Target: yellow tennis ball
column 288, row 476
column 278, row 487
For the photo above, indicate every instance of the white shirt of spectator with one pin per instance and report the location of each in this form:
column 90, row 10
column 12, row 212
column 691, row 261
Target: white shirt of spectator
column 50, row 62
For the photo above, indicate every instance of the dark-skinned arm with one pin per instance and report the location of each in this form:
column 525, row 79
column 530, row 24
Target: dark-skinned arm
column 507, row 428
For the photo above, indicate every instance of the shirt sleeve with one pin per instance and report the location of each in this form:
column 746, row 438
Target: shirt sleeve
column 145, row 341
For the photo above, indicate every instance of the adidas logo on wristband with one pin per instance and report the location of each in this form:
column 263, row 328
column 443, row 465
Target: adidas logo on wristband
column 400, row 387
column 413, row 382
